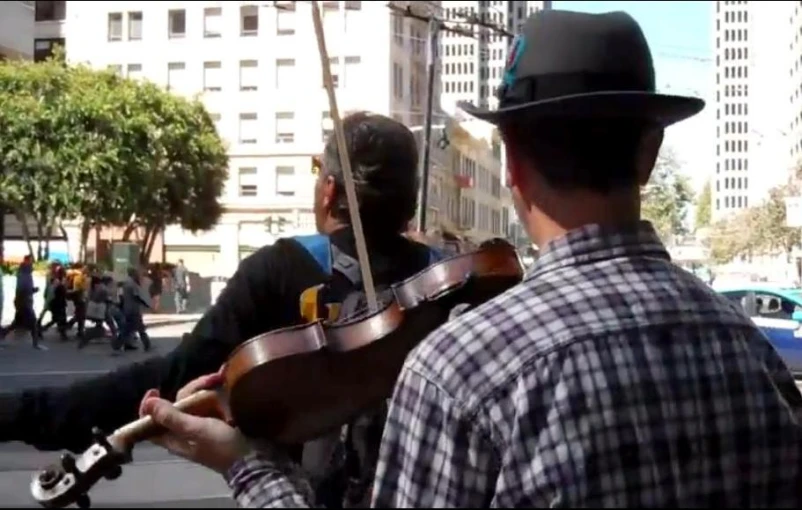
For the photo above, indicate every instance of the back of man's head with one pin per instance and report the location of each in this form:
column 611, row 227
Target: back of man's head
column 384, row 161
column 595, row 155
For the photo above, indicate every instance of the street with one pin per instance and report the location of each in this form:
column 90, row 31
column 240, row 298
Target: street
column 154, row 479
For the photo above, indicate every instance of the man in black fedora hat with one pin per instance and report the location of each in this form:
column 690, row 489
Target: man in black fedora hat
column 609, row 377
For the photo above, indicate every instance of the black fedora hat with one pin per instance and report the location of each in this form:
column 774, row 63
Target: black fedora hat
column 583, row 65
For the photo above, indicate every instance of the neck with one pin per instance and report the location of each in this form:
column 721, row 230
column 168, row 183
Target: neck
column 564, row 212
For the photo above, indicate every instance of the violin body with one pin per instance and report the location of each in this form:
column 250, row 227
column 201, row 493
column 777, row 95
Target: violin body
column 298, row 383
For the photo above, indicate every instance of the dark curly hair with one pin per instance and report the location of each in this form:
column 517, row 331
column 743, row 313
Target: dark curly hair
column 384, row 160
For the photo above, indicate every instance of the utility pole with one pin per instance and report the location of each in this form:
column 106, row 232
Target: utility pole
column 436, row 25
column 431, row 70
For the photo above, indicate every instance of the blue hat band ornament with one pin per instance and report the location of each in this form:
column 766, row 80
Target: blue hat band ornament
column 516, row 50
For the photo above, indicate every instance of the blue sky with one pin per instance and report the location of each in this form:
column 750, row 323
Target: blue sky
column 681, row 39
column 679, row 34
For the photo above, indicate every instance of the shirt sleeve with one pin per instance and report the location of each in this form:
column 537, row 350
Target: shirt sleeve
column 434, row 454
column 269, row 480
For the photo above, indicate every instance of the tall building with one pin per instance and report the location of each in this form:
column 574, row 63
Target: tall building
column 49, row 30
column 753, row 147
column 795, row 90
column 472, row 66
column 256, row 67
column 16, row 30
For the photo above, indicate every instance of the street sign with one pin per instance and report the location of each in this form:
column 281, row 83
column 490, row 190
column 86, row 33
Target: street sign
column 793, row 212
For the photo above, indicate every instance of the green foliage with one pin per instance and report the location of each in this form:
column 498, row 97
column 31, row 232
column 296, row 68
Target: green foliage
column 703, row 207
column 82, row 143
column 666, row 197
column 756, row 230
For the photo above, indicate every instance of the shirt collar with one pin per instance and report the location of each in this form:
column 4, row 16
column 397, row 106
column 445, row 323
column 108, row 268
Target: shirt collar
column 593, row 243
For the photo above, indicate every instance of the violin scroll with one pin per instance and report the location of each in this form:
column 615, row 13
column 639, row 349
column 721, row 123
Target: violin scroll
column 70, row 481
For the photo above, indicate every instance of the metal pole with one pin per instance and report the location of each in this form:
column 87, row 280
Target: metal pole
column 434, row 30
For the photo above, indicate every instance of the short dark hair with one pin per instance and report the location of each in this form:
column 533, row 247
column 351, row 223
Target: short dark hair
column 384, row 162
column 574, row 153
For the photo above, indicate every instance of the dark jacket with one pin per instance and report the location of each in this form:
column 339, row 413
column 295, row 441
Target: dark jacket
column 263, row 295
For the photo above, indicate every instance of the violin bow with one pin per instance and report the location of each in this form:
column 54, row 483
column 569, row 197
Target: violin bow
column 345, row 162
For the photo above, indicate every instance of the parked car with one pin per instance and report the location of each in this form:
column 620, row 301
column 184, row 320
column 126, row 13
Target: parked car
column 778, row 313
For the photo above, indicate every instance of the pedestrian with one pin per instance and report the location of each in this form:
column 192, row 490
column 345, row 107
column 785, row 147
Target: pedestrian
column 79, row 295
column 264, row 294
column 181, row 286
column 156, row 286
column 132, row 305
column 57, row 304
column 24, row 314
column 610, row 378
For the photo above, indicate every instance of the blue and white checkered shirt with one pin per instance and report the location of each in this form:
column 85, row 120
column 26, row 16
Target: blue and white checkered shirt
column 610, row 377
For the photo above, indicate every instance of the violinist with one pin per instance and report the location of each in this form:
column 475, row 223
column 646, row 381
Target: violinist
column 609, row 377
column 264, row 294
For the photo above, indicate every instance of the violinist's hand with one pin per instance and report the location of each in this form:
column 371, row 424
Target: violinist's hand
column 206, row 441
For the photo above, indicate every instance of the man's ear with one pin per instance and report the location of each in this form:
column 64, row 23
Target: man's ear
column 328, row 192
column 647, row 153
column 513, row 170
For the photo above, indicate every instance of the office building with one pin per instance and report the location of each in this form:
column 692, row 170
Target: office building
column 755, row 148
column 16, row 30
column 472, row 66
column 257, row 69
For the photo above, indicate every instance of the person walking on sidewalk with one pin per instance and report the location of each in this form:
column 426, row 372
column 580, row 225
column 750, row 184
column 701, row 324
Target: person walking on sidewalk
column 57, row 303
column 133, row 321
column 25, row 316
column 181, row 286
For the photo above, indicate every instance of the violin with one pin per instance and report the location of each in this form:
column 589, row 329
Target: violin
column 298, row 383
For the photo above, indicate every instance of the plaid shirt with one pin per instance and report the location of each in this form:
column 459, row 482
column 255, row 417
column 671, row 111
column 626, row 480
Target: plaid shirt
column 610, row 377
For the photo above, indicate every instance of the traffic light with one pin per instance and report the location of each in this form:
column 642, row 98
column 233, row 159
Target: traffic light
column 316, row 165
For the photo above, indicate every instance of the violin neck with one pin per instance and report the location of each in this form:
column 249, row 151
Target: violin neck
column 202, row 403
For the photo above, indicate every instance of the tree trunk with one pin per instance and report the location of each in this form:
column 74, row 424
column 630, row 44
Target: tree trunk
column 50, row 228
column 86, row 227
column 148, row 241
column 129, row 230
column 39, row 235
column 2, row 236
column 26, row 233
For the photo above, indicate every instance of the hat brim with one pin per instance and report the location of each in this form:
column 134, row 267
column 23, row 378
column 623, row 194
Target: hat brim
column 662, row 109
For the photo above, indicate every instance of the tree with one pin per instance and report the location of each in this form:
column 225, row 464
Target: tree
column 775, row 235
column 703, row 207
column 187, row 167
column 736, row 235
column 82, row 143
column 666, row 197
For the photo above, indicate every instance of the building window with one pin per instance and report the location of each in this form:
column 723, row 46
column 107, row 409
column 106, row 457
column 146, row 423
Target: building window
column 351, row 71
column 215, row 118
column 334, row 65
column 285, row 181
column 249, row 20
column 50, row 11
column 134, row 71
column 352, row 5
column 134, row 26
column 248, row 182
column 248, row 128
column 248, row 75
column 115, row 26
column 326, row 126
column 285, row 18
column 212, row 22
column 43, row 48
column 212, row 76
column 285, row 73
column 285, row 127
column 176, row 71
column 177, row 23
